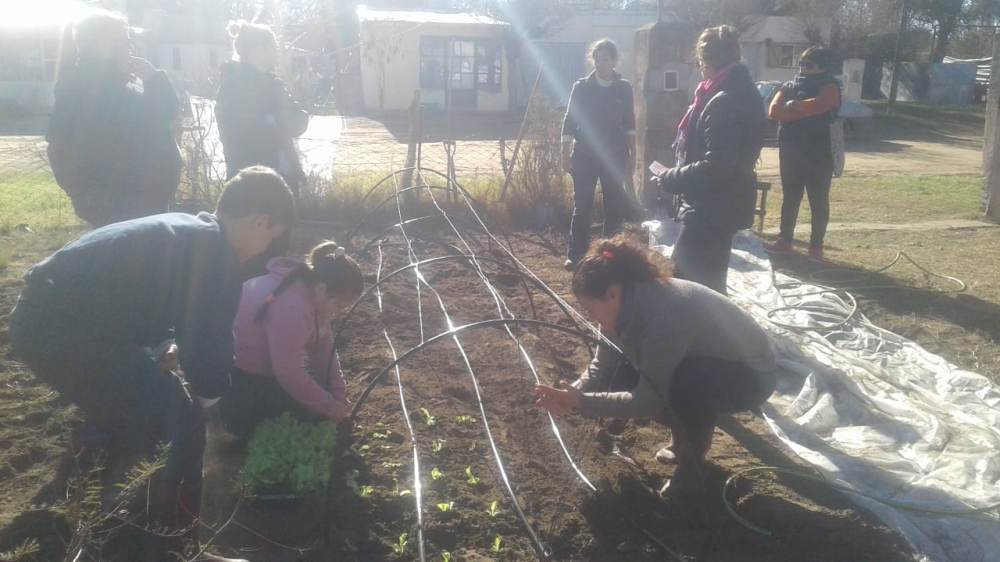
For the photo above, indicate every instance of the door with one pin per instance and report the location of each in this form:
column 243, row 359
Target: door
column 462, row 74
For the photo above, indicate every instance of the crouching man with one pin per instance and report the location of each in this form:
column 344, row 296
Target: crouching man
column 133, row 324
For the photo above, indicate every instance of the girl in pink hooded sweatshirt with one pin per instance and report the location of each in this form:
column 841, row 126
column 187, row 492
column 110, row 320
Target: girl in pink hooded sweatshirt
column 285, row 359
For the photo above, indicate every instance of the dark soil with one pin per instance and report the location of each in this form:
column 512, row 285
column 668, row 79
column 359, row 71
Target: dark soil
column 807, row 522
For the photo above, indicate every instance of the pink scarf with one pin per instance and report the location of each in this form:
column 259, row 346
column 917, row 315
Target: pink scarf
column 705, row 91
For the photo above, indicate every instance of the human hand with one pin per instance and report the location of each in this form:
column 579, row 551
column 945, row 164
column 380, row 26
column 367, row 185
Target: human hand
column 142, row 68
column 169, row 360
column 557, row 400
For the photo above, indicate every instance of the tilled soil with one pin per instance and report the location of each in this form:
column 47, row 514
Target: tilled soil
column 373, row 506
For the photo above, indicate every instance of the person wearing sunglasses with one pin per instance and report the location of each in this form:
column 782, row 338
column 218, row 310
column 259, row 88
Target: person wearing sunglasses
column 804, row 109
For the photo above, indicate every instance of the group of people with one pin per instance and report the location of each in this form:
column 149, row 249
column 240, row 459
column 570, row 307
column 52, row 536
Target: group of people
column 685, row 353
column 146, row 323
column 112, row 135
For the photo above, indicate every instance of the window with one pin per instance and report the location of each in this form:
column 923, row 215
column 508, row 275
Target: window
column 489, row 66
column 177, row 58
column 461, row 65
column 432, row 62
column 786, row 56
column 671, row 81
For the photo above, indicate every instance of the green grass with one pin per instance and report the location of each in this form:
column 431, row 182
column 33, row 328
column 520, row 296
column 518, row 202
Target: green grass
column 892, row 200
column 34, row 200
column 35, row 216
column 920, row 120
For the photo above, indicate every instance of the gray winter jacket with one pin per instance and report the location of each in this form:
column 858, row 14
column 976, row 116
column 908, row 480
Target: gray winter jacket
column 660, row 325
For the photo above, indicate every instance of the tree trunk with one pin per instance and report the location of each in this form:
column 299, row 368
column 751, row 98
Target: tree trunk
column 991, row 144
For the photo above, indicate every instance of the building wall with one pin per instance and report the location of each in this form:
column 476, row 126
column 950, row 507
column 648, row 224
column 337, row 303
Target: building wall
column 390, row 64
column 192, row 66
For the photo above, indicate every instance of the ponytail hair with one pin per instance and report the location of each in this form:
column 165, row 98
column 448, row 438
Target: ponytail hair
column 719, row 46
column 621, row 259
column 329, row 264
column 248, row 37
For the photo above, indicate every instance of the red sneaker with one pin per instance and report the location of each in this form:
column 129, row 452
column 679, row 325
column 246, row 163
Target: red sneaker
column 780, row 246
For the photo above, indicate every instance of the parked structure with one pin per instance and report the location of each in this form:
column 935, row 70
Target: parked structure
column 456, row 60
column 772, row 45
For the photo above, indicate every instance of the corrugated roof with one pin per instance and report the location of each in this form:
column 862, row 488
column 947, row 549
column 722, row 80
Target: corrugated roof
column 366, row 14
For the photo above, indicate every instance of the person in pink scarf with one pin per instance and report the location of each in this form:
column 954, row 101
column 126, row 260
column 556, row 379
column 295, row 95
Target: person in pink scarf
column 285, row 359
column 718, row 144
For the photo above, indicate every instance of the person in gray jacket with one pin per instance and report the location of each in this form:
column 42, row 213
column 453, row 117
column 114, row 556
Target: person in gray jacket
column 697, row 353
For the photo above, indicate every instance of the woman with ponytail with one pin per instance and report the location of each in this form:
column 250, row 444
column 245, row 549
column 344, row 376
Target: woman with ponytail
column 285, row 359
column 696, row 353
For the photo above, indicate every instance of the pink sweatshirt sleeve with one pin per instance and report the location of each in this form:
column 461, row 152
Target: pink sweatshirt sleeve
column 290, row 330
column 337, row 387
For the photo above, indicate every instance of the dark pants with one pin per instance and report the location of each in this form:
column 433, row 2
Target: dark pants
column 127, row 400
column 703, row 388
column 587, row 170
column 802, row 171
column 701, row 254
column 253, row 399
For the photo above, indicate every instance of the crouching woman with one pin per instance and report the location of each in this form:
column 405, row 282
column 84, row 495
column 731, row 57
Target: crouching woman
column 285, row 359
column 697, row 353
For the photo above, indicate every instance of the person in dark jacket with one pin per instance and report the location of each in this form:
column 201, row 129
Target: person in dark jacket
column 110, row 142
column 805, row 107
column 598, row 144
column 258, row 119
column 697, row 354
column 718, row 144
column 133, row 323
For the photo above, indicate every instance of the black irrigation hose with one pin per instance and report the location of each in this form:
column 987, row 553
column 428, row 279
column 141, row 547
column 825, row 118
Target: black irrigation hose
column 417, row 488
column 454, row 257
column 543, row 550
column 493, row 323
column 971, row 512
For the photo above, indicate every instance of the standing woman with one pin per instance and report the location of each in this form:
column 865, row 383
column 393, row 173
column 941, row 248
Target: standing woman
column 805, row 107
column 718, row 144
column 258, row 119
column 110, row 143
column 697, row 353
column 598, row 144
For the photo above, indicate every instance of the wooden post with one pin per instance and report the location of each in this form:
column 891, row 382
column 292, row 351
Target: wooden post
column 412, row 149
column 520, row 134
column 991, row 141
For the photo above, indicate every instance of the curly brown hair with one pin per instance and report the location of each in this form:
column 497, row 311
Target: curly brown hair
column 620, row 259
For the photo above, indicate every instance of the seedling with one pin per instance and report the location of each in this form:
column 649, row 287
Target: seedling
column 463, row 420
column 472, row 446
column 436, row 474
column 399, row 492
column 445, row 556
column 400, row 547
column 471, row 478
column 497, row 545
column 445, row 507
column 380, row 434
column 367, row 491
column 364, row 448
column 436, row 445
column 428, row 418
column 391, row 465
column 494, row 509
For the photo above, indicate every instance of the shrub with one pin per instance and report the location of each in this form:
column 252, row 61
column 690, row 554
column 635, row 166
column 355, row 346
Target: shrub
column 289, row 457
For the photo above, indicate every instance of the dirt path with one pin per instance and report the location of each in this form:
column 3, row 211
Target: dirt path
column 945, row 224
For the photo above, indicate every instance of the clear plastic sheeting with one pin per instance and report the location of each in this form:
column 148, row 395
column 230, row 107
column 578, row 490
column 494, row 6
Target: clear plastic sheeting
column 874, row 411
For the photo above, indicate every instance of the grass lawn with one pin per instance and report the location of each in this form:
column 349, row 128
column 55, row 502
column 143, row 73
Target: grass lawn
column 922, row 119
column 35, row 216
column 890, row 199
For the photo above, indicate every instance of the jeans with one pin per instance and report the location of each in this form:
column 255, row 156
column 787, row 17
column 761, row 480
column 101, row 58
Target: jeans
column 800, row 173
column 587, row 170
column 255, row 398
column 701, row 255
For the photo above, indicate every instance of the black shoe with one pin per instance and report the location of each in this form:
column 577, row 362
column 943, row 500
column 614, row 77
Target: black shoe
column 569, row 265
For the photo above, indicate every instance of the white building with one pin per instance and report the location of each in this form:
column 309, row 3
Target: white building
column 771, row 45
column 456, row 60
